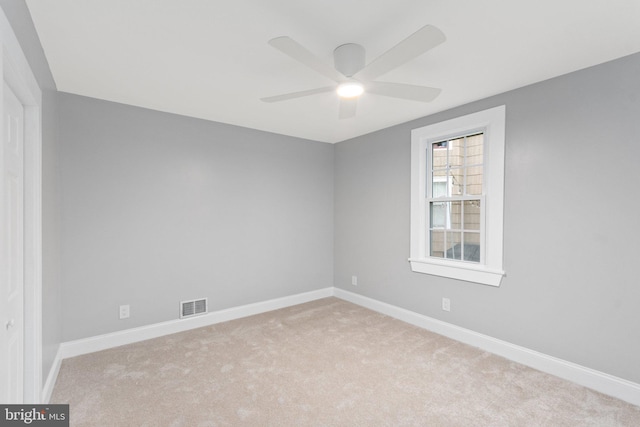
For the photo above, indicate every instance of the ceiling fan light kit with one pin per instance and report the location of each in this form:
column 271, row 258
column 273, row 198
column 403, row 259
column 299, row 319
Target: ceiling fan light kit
column 350, row 89
column 352, row 75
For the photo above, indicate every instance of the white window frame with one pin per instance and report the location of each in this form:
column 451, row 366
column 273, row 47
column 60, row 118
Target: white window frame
column 489, row 270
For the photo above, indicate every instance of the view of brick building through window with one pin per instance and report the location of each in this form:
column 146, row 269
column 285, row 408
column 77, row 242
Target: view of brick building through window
column 455, row 198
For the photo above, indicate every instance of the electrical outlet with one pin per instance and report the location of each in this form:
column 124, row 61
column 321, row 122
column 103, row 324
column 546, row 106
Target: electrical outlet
column 446, row 304
column 354, row 280
column 124, row 311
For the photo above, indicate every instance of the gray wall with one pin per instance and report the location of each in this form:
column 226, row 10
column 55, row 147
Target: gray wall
column 20, row 19
column 160, row 208
column 51, row 234
column 571, row 221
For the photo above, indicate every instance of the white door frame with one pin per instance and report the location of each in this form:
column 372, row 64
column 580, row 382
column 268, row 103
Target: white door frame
column 19, row 77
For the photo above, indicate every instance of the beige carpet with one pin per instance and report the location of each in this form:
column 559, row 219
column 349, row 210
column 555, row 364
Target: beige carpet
column 324, row 363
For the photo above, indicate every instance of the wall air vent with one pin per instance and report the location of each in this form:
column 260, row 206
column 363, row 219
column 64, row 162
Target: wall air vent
column 193, row 308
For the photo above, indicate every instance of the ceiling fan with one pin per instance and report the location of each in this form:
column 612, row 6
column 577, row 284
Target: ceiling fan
column 353, row 77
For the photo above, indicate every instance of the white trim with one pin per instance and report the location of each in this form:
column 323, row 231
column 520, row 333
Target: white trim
column 587, row 377
column 458, row 270
column 47, row 389
column 492, row 124
column 129, row 336
column 16, row 71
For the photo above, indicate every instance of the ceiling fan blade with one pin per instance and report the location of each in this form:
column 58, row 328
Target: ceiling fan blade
column 348, row 108
column 416, row 44
column 404, row 91
column 298, row 52
column 294, row 95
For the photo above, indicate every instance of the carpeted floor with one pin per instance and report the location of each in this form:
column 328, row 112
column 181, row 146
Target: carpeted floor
column 324, row 363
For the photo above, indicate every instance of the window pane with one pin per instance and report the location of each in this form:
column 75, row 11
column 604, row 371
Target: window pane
column 456, row 153
column 456, row 178
column 472, row 247
column 446, row 215
column 439, row 187
column 454, row 245
column 439, row 155
column 475, row 144
column 472, row 215
column 454, row 219
column 438, row 214
column 437, row 244
column 474, row 180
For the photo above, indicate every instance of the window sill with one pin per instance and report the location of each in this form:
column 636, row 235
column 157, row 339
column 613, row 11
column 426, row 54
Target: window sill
column 458, row 270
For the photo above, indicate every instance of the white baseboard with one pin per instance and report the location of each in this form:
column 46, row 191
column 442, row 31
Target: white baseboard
column 129, row 336
column 47, row 389
column 595, row 380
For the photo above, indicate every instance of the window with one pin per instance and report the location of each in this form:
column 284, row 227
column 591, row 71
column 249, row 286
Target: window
column 454, row 197
column 457, row 191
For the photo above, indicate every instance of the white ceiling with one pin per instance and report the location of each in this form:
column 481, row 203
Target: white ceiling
column 210, row 58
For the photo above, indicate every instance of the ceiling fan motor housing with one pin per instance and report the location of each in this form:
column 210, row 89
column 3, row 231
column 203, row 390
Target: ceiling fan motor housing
column 349, row 58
